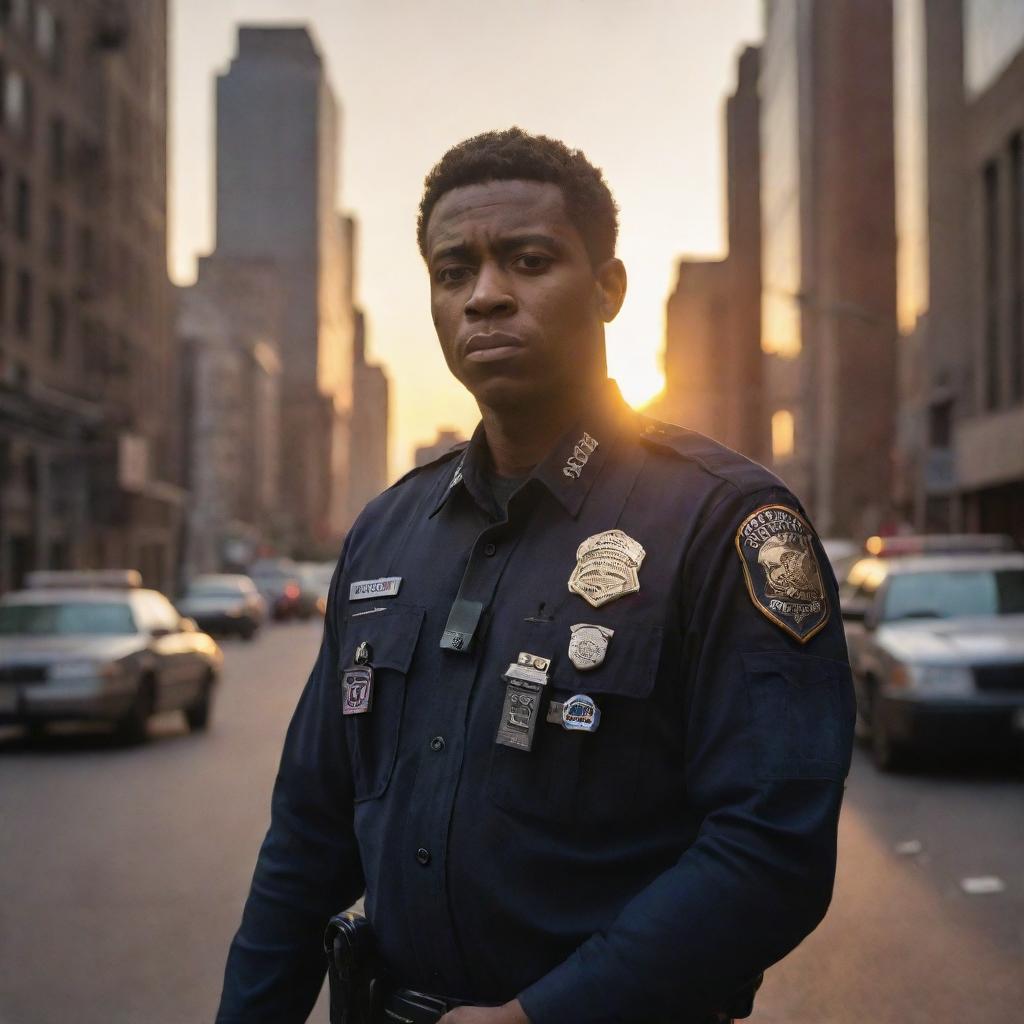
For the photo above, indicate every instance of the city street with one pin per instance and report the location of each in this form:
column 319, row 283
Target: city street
column 124, row 872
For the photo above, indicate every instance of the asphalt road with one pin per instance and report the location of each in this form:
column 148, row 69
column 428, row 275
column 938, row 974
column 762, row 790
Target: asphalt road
column 122, row 873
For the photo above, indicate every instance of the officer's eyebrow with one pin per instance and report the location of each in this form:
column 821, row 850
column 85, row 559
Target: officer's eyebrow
column 521, row 241
column 463, row 251
column 459, row 251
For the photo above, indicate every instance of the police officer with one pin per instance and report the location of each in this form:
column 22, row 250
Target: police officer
column 582, row 713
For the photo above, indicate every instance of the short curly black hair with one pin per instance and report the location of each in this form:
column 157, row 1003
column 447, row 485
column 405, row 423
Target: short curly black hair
column 515, row 155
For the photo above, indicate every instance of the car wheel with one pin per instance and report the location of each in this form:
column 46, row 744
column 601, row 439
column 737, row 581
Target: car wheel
column 134, row 727
column 247, row 632
column 886, row 753
column 197, row 714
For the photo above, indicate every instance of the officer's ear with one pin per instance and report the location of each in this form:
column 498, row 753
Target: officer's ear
column 610, row 279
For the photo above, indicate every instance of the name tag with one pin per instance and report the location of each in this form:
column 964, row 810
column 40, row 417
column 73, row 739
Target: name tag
column 385, row 587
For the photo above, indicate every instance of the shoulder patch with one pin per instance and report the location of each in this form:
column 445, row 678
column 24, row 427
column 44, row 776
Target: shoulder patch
column 781, row 570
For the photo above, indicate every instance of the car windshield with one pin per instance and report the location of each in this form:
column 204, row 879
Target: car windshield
column 950, row 595
column 95, row 618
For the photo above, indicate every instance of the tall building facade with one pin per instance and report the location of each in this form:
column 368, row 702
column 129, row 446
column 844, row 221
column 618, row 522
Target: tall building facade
column 277, row 184
column 960, row 183
column 713, row 364
column 229, row 325
column 828, row 256
column 89, row 453
column 370, row 412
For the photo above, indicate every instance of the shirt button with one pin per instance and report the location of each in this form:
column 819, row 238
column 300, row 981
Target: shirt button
column 489, row 549
column 423, row 856
column 437, row 743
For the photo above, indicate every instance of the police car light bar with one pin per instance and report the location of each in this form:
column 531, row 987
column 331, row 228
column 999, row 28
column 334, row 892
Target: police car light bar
column 50, row 579
column 939, row 544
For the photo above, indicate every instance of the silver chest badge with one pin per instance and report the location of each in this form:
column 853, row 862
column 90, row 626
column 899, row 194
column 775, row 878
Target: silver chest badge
column 606, row 567
column 588, row 645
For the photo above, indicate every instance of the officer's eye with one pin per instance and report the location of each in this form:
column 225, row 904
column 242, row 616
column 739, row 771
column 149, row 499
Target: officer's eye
column 452, row 275
column 533, row 261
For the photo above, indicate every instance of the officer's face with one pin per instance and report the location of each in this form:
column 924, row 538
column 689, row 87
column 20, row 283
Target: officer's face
column 518, row 308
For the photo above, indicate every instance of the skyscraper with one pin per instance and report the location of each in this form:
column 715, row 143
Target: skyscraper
column 713, row 379
column 277, row 185
column 829, row 251
column 960, row 179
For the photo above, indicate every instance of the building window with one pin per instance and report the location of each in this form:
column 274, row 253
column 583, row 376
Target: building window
column 991, row 284
column 58, row 149
column 46, row 32
column 940, row 424
column 782, row 434
column 23, row 304
column 55, row 237
column 17, row 106
column 3, row 196
column 57, row 326
column 1017, row 267
column 20, row 11
column 23, row 209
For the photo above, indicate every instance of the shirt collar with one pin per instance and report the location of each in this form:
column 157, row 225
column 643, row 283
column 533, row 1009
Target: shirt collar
column 569, row 469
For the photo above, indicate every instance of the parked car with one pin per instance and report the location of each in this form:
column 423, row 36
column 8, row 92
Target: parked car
column 316, row 582
column 224, row 603
column 97, row 646
column 277, row 581
column 842, row 553
column 936, row 637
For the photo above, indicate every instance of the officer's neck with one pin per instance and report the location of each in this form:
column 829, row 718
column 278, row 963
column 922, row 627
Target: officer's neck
column 521, row 436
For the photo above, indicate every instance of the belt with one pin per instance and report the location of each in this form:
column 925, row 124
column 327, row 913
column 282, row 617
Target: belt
column 407, row 1006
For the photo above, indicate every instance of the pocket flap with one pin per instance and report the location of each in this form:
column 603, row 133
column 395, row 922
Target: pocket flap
column 629, row 668
column 391, row 634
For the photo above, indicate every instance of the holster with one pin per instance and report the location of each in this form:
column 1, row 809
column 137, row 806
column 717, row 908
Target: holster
column 351, row 968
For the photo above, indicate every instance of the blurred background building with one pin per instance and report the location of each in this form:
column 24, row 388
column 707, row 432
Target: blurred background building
column 90, row 467
column 887, row 387
column 445, row 441
column 960, row 178
column 277, row 179
column 829, row 251
column 713, row 363
column 229, row 326
column 370, row 410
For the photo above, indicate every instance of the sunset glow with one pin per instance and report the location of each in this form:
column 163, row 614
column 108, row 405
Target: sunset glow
column 638, row 87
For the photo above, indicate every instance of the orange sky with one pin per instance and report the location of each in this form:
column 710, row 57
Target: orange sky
column 638, row 86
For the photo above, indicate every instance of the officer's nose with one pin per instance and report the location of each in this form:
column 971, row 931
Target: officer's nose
column 491, row 294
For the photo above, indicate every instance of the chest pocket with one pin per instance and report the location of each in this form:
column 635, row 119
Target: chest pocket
column 583, row 777
column 373, row 737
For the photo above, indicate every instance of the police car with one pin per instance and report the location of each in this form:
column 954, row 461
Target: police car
column 935, row 627
column 97, row 646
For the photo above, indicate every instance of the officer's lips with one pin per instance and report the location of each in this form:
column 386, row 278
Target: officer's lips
column 487, row 348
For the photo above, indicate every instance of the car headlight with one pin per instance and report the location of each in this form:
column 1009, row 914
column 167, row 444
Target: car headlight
column 83, row 670
column 941, row 680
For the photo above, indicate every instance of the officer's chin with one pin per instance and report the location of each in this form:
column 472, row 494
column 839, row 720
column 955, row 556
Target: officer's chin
column 507, row 391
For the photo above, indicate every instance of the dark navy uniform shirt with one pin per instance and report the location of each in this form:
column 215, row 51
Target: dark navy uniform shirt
column 641, row 872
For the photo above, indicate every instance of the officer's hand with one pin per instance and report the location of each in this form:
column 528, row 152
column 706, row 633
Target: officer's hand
column 510, row 1013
